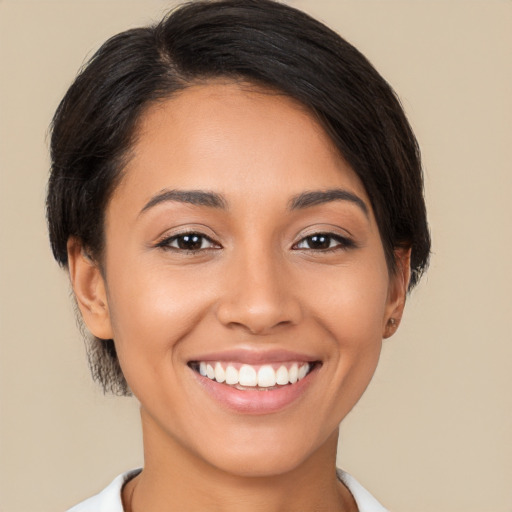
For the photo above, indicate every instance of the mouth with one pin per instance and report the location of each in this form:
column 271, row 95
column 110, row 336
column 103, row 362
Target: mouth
column 249, row 377
column 255, row 382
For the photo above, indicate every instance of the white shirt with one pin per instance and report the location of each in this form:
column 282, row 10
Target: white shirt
column 109, row 500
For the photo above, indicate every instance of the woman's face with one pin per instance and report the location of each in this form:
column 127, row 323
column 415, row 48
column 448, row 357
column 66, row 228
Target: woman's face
column 240, row 244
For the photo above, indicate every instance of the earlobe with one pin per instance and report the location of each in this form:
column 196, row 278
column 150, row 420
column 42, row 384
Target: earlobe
column 397, row 292
column 89, row 289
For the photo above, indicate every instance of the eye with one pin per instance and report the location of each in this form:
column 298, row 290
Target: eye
column 190, row 242
column 324, row 242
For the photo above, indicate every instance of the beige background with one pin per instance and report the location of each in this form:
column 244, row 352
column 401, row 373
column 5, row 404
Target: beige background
column 433, row 432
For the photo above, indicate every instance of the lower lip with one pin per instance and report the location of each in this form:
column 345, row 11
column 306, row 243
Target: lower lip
column 256, row 401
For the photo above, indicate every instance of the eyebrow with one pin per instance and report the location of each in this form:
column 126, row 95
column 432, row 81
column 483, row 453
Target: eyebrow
column 316, row 197
column 195, row 197
column 214, row 200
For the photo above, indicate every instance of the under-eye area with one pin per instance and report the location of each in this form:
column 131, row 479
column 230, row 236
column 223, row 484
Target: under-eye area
column 264, row 377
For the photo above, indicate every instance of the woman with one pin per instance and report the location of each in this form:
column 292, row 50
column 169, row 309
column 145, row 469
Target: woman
column 237, row 196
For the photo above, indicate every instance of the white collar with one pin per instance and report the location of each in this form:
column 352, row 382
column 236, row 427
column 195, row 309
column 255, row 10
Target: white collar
column 109, row 500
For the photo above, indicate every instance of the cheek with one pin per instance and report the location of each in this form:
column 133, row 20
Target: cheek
column 351, row 303
column 351, row 308
column 151, row 310
column 351, row 311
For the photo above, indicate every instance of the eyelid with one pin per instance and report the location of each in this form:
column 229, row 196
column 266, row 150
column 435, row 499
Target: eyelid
column 166, row 241
column 325, row 229
column 342, row 242
column 163, row 241
column 184, row 229
column 346, row 240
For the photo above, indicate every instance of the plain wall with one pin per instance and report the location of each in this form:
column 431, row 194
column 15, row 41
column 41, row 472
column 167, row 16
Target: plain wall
column 433, row 432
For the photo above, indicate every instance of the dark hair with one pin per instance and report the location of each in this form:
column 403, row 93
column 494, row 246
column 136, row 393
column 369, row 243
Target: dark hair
column 258, row 41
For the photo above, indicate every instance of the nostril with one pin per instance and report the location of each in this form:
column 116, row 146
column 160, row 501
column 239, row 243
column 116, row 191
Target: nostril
column 259, row 319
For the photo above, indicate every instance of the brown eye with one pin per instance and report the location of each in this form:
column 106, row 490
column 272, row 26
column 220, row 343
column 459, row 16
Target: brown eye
column 324, row 241
column 190, row 242
column 319, row 241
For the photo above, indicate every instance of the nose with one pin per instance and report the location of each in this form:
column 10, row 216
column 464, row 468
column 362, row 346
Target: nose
column 259, row 296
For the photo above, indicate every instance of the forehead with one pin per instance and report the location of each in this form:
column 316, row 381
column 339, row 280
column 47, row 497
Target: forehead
column 226, row 136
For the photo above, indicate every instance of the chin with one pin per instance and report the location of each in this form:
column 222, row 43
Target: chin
column 262, row 465
column 268, row 455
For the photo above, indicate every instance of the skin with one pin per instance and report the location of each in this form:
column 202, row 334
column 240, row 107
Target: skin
column 256, row 283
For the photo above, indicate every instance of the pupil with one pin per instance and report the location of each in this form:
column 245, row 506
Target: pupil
column 189, row 242
column 319, row 242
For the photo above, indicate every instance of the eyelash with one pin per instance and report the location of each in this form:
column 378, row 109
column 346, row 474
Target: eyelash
column 167, row 242
column 341, row 242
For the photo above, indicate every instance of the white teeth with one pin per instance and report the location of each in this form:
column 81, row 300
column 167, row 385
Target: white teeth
column 282, row 376
column 293, row 374
column 231, row 375
column 266, row 377
column 249, row 376
column 220, row 374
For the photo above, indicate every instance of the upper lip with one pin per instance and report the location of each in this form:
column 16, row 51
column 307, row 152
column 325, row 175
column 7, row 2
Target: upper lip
column 253, row 356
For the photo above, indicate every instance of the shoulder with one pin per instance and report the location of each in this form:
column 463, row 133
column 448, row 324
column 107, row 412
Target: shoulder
column 364, row 500
column 108, row 500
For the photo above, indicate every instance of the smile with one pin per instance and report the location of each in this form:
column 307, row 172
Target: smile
column 247, row 376
column 255, row 383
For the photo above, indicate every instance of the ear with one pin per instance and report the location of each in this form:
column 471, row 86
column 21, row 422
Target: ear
column 397, row 292
column 89, row 288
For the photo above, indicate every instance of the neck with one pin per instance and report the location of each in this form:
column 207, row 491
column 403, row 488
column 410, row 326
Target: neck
column 175, row 478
